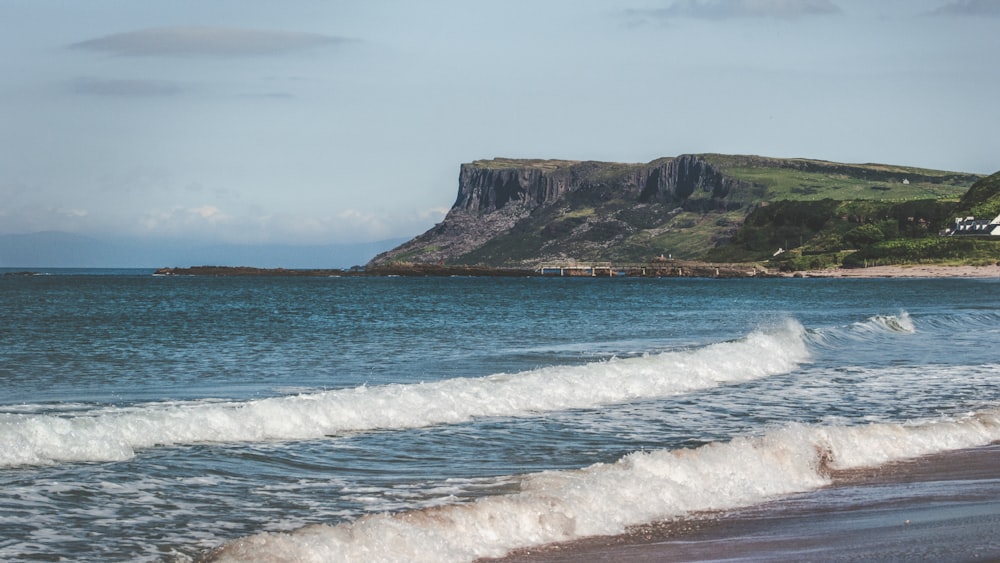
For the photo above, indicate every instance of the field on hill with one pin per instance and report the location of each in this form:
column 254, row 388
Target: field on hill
column 801, row 179
column 790, row 213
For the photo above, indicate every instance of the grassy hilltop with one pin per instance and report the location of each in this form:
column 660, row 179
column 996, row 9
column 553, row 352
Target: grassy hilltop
column 713, row 207
column 852, row 232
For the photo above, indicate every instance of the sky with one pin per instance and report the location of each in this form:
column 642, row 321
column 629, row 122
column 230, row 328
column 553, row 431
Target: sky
column 318, row 122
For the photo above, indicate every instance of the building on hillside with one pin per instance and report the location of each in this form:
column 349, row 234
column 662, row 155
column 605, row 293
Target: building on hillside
column 970, row 226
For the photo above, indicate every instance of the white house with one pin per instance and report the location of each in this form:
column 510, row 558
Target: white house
column 972, row 226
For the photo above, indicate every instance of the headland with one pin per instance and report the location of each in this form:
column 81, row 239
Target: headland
column 706, row 215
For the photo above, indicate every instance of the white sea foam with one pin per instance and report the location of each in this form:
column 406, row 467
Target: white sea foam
column 607, row 498
column 116, row 433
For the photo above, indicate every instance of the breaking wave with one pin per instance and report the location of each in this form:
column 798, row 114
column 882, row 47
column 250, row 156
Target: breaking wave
column 602, row 499
column 115, row 433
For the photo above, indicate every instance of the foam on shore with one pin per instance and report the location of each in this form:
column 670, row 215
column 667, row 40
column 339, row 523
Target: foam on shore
column 116, row 433
column 604, row 499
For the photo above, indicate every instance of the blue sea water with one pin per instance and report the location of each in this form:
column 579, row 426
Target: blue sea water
column 157, row 418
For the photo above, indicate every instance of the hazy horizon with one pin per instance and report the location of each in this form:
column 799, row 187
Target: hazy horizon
column 53, row 249
column 315, row 123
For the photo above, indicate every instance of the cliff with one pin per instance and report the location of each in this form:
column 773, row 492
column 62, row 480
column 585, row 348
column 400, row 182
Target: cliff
column 519, row 212
column 487, row 186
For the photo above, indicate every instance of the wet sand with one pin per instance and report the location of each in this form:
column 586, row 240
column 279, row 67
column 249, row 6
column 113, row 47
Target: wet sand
column 914, row 271
column 944, row 507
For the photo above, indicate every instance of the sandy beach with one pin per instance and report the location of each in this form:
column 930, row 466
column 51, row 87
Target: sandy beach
column 909, row 271
column 944, row 507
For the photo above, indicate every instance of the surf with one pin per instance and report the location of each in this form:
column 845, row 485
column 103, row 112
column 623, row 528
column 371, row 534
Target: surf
column 117, row 433
column 605, row 499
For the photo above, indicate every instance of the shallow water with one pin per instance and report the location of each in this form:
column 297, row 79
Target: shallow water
column 149, row 418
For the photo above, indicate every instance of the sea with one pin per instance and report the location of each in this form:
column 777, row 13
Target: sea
column 177, row 418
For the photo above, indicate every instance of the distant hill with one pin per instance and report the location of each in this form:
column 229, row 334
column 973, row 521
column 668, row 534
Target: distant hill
column 854, row 232
column 982, row 199
column 518, row 212
column 66, row 250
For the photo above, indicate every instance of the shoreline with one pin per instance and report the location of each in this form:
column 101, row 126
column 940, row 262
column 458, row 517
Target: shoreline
column 410, row 270
column 687, row 269
column 905, row 271
column 942, row 507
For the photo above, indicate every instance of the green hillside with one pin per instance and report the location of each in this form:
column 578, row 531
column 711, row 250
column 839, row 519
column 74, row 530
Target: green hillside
column 800, row 203
column 802, row 179
column 790, row 213
column 857, row 232
column 982, row 199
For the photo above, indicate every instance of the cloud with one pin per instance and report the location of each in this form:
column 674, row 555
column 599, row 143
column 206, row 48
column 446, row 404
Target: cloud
column 434, row 213
column 275, row 95
column 208, row 212
column 133, row 88
column 206, row 42
column 179, row 220
column 732, row 9
column 969, row 8
column 32, row 217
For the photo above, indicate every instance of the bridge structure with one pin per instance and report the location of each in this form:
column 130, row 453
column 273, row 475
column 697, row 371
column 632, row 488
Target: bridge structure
column 657, row 268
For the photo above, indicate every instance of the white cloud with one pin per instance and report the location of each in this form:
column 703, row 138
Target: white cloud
column 969, row 8
column 209, row 223
column 183, row 220
column 35, row 217
column 206, row 42
column 209, row 212
column 434, row 213
column 128, row 88
column 731, row 9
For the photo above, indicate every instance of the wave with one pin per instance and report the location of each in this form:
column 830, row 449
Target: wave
column 874, row 326
column 965, row 321
column 903, row 324
column 605, row 499
column 114, row 434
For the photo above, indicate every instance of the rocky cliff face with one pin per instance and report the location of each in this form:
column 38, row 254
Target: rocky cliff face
column 680, row 178
column 495, row 196
column 521, row 213
column 487, row 186
column 483, row 188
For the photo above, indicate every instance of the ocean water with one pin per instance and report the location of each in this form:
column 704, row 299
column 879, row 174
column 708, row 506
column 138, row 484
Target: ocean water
column 149, row 418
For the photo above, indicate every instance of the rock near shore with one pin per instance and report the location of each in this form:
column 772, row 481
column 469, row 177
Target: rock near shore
column 496, row 196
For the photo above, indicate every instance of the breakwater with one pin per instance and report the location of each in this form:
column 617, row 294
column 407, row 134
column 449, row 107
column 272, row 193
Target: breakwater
column 656, row 269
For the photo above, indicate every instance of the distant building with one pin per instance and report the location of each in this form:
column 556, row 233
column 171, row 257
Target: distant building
column 970, row 226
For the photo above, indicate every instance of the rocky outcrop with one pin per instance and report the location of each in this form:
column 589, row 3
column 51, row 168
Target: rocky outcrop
column 485, row 187
column 494, row 196
column 677, row 179
column 522, row 213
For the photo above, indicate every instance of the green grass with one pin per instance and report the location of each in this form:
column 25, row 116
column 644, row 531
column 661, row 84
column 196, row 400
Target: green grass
column 505, row 250
column 415, row 254
column 546, row 165
column 783, row 183
column 687, row 235
column 982, row 200
column 822, row 212
column 577, row 213
column 932, row 250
